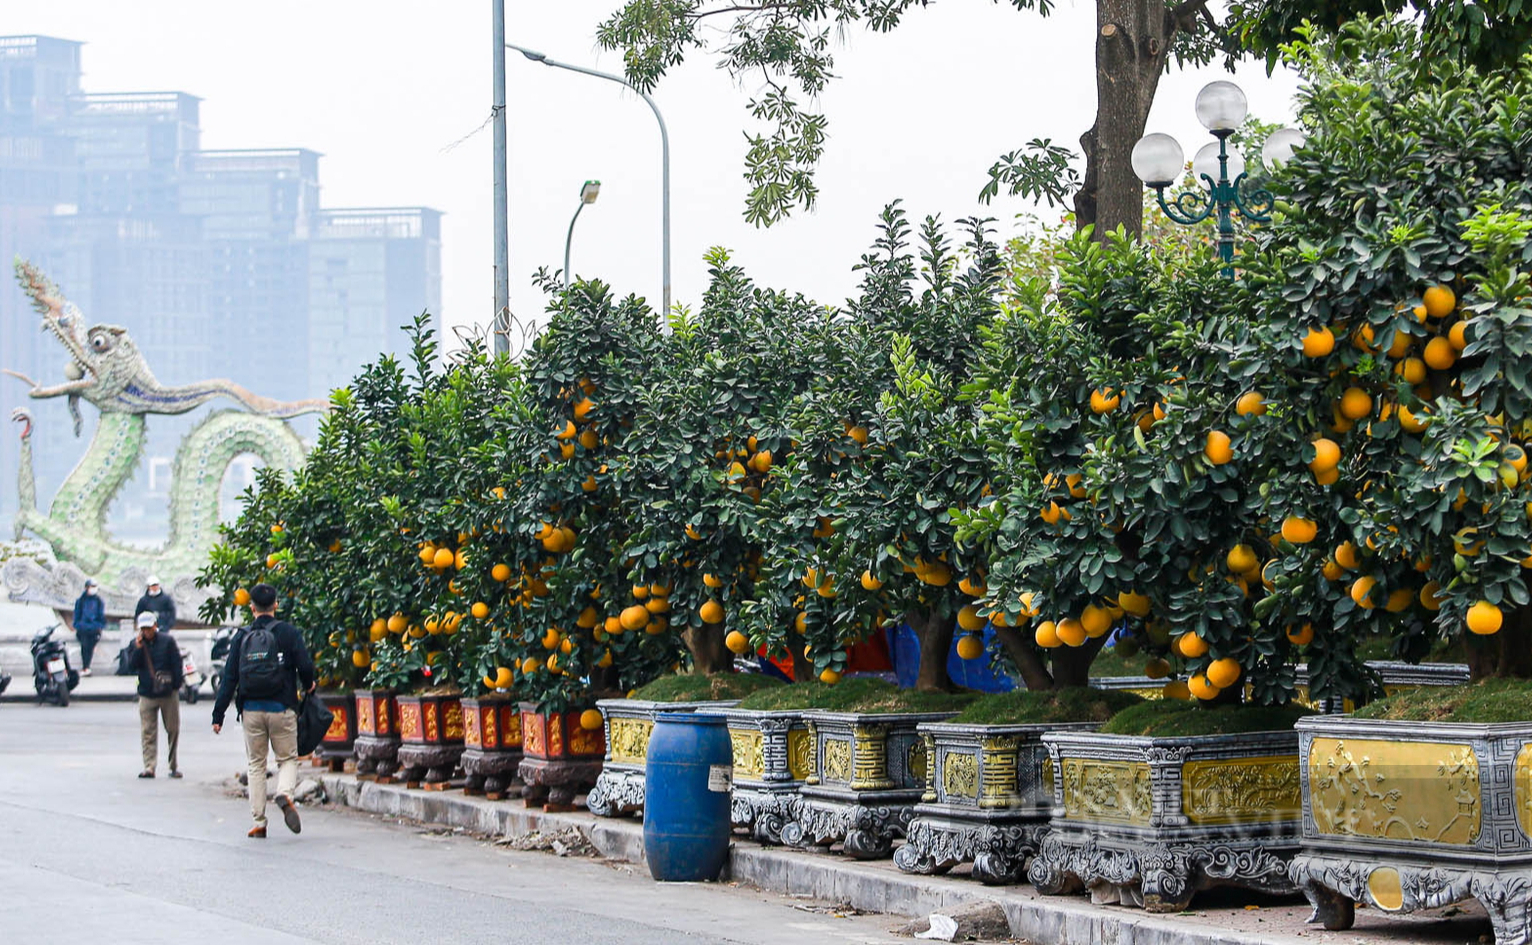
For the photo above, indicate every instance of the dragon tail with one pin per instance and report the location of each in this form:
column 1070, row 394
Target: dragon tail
column 26, row 480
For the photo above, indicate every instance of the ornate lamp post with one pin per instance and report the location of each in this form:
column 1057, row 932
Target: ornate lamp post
column 1158, row 160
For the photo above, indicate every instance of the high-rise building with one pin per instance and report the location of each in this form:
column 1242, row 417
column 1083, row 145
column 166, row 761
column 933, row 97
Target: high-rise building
column 220, row 263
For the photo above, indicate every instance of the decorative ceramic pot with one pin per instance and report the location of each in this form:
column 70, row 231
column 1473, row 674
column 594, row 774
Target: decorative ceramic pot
column 492, row 746
column 628, row 724
column 988, row 799
column 335, row 748
column 772, row 758
column 377, row 735
column 869, row 771
column 430, row 738
column 560, row 757
column 1150, row 821
column 1415, row 815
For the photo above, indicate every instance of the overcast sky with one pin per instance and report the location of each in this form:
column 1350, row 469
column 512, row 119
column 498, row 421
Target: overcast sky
column 388, row 91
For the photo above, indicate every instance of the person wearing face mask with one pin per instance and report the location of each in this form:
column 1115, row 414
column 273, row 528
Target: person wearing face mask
column 89, row 621
column 159, row 603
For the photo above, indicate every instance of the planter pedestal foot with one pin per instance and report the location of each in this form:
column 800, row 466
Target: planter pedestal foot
column 1335, row 912
column 616, row 793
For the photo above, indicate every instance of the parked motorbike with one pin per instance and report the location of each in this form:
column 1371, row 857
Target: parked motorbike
column 51, row 672
column 191, row 678
column 218, row 654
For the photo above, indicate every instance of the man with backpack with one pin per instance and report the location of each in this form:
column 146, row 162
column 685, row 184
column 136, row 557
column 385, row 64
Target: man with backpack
column 266, row 666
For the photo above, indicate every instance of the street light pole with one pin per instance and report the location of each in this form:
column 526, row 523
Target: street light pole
column 664, row 158
column 502, row 322
column 588, row 194
column 1157, row 160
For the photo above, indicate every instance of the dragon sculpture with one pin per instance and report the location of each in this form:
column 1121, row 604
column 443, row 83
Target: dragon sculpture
column 107, row 370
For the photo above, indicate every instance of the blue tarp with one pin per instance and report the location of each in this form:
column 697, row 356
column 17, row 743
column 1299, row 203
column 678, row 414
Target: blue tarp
column 904, row 647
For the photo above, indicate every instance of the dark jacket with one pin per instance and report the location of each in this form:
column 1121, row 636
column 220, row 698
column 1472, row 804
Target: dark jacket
column 165, row 656
column 89, row 613
column 162, row 605
column 293, row 653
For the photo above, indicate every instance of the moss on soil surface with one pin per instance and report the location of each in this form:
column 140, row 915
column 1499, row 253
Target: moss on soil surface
column 717, row 688
column 1174, row 718
column 856, row 695
column 1488, row 702
column 1025, row 706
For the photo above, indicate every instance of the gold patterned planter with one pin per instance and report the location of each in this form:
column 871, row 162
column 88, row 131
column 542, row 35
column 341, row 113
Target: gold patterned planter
column 869, row 771
column 1151, row 821
column 1411, row 815
column 772, row 759
column 629, row 722
column 988, row 799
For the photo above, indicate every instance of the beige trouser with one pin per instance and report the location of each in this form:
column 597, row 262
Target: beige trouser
column 150, row 710
column 277, row 732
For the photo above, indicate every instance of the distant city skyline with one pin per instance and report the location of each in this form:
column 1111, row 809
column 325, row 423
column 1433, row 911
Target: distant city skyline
column 398, row 102
column 219, row 263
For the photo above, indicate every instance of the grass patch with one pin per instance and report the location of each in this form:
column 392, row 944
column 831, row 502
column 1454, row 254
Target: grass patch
column 856, row 695
column 1488, row 702
column 1174, row 718
column 715, row 688
column 1025, row 706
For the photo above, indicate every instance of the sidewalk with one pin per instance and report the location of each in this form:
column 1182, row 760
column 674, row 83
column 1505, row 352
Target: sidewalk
column 879, row 886
column 98, row 688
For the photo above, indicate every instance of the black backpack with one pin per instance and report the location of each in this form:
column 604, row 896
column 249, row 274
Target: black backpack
column 262, row 674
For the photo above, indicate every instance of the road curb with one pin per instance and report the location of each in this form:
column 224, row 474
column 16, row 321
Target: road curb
column 27, row 695
column 870, row 887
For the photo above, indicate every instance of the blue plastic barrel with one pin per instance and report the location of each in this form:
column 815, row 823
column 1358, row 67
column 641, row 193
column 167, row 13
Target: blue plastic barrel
column 687, row 777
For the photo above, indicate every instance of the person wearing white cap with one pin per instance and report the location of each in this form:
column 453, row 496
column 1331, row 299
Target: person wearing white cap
column 158, row 661
column 161, row 604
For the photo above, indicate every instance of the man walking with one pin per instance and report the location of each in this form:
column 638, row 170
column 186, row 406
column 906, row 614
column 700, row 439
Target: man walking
column 159, row 603
column 267, row 664
column 89, row 621
column 158, row 661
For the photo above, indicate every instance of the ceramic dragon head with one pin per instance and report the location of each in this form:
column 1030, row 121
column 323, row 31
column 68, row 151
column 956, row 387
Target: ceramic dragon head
column 105, row 363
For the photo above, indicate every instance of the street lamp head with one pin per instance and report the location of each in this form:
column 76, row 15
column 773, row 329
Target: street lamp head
column 1221, row 106
column 529, row 53
column 1158, row 159
column 590, row 191
column 1280, row 146
column 1206, row 162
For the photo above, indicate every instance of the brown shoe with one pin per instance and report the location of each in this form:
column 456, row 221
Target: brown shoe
column 257, row 833
column 289, row 813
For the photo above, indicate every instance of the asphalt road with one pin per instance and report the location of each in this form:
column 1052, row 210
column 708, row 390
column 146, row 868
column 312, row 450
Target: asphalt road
column 89, row 853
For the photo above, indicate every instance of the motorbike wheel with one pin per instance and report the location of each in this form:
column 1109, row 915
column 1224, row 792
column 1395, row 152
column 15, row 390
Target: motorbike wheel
column 189, row 695
column 61, row 689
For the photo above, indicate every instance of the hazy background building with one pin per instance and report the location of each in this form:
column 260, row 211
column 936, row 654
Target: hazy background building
column 220, row 263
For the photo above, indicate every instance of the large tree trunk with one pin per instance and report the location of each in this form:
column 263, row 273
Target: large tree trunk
column 1133, row 39
column 934, row 630
column 1034, row 673
column 1506, row 654
column 709, row 654
column 1067, row 667
column 1071, row 664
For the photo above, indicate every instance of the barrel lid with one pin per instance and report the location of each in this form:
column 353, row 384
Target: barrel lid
column 690, row 718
